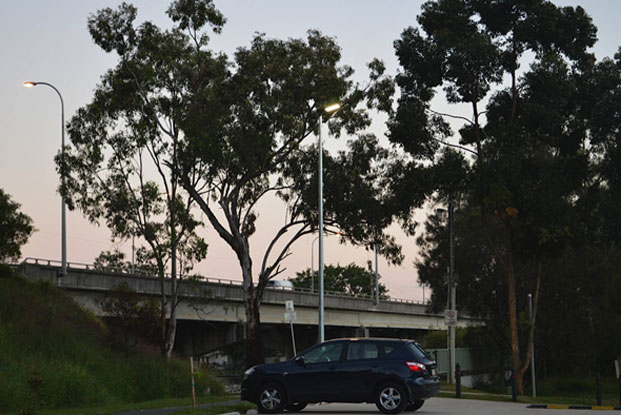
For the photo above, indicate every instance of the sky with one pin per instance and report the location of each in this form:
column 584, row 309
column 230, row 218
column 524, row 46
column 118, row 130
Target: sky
column 43, row 40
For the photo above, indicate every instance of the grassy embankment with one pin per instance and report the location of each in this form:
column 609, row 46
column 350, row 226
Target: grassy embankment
column 53, row 354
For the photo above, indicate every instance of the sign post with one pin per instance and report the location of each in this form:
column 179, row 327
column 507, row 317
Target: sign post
column 291, row 316
column 450, row 317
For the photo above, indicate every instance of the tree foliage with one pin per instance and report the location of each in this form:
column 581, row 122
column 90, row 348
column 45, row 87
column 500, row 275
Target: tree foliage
column 15, row 228
column 223, row 133
column 248, row 133
column 350, row 279
column 122, row 166
column 528, row 137
column 115, row 261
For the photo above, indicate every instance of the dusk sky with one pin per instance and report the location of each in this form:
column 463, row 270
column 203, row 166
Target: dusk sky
column 48, row 41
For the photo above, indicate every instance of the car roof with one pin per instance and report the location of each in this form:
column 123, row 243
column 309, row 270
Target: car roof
column 373, row 339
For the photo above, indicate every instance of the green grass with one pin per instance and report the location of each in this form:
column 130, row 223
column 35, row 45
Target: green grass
column 55, row 355
column 549, row 391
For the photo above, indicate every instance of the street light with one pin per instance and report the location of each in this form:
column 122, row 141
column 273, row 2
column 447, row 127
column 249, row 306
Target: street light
column 329, row 109
column 30, row 84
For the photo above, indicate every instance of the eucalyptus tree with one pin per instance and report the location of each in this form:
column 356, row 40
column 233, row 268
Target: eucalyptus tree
column 122, row 165
column 526, row 133
column 255, row 142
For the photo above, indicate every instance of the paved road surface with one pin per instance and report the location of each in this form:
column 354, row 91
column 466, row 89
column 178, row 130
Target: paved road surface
column 447, row 406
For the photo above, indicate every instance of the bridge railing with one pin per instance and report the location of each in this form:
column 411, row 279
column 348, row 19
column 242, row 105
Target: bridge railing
column 212, row 280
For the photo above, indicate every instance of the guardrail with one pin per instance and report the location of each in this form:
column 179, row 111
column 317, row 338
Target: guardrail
column 212, row 280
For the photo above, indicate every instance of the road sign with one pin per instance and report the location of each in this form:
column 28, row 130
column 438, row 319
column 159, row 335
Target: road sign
column 289, row 305
column 291, row 316
column 450, row 317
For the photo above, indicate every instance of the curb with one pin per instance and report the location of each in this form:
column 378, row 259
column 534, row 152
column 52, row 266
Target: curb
column 164, row 411
column 593, row 407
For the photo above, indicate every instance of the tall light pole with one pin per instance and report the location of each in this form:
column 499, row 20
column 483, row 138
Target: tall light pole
column 376, row 276
column 452, row 285
column 313, row 264
column 320, row 319
column 63, row 206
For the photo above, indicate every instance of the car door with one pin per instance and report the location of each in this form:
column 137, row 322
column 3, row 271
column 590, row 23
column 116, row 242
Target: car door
column 315, row 376
column 360, row 369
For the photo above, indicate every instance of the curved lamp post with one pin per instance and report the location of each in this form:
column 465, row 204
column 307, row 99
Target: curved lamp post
column 329, row 109
column 30, row 84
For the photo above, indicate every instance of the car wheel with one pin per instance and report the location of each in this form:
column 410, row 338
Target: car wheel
column 296, row 407
column 413, row 406
column 391, row 398
column 271, row 399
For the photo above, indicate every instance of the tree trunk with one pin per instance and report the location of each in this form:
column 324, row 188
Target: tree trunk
column 163, row 308
column 171, row 330
column 169, row 340
column 252, row 302
column 513, row 324
column 515, row 340
column 254, row 345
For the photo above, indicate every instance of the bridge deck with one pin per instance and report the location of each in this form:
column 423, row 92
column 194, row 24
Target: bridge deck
column 225, row 300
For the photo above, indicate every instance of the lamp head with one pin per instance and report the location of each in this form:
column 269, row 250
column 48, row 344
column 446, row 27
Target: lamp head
column 30, row 84
column 332, row 108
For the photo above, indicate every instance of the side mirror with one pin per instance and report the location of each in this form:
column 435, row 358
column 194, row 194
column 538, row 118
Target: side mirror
column 299, row 360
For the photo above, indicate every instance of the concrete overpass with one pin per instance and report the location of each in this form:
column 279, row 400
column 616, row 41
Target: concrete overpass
column 207, row 325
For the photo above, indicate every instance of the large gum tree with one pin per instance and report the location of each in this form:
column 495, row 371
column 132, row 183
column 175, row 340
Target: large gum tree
column 121, row 167
column 258, row 141
column 239, row 130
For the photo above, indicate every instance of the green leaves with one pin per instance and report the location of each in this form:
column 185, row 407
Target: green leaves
column 113, row 29
column 350, row 279
column 15, row 228
column 194, row 14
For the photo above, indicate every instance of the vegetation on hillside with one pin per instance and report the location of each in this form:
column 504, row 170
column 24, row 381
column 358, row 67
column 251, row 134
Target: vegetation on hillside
column 53, row 354
column 15, row 228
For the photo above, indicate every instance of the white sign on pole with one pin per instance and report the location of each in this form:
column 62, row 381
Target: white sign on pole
column 450, row 317
column 291, row 316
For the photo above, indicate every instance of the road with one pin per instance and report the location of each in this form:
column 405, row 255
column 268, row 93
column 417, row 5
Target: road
column 452, row 406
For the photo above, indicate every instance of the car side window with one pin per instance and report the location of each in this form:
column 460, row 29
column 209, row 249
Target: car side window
column 361, row 350
column 330, row 352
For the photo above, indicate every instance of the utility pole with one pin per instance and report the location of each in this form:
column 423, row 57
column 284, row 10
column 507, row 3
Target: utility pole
column 451, row 288
column 376, row 278
column 532, row 347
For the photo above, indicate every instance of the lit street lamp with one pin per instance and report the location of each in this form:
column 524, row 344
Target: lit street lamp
column 329, row 109
column 30, row 84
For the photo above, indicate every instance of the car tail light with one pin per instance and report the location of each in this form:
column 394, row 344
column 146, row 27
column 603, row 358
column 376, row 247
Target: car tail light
column 415, row 366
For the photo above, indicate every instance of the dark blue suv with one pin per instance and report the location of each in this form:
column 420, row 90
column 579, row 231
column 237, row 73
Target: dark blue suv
column 396, row 375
